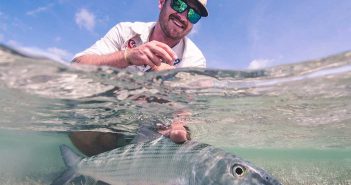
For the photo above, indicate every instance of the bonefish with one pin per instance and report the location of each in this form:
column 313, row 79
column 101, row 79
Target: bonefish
column 163, row 162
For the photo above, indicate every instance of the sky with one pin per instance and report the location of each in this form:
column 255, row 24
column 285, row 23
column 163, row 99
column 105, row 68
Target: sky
column 237, row 34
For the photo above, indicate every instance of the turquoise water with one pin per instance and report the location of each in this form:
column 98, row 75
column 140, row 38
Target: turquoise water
column 33, row 158
column 292, row 120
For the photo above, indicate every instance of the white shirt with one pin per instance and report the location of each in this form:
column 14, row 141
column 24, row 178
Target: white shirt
column 127, row 34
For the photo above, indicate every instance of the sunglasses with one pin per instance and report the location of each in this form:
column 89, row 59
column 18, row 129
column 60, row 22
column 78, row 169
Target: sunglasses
column 181, row 6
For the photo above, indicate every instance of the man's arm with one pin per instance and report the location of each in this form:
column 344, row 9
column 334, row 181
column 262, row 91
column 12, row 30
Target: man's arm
column 115, row 59
column 152, row 54
column 93, row 143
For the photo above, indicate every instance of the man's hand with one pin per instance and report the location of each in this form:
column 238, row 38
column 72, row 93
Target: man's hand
column 152, row 54
column 163, row 67
column 176, row 132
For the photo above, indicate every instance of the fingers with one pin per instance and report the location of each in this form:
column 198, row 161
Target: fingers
column 153, row 60
column 152, row 54
column 163, row 67
column 164, row 52
column 178, row 136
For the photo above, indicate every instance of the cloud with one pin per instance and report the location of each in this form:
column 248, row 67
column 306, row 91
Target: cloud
column 53, row 53
column 39, row 10
column 61, row 53
column 85, row 19
column 260, row 63
column 195, row 30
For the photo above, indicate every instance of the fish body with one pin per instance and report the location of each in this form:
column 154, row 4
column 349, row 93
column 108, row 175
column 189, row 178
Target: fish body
column 163, row 162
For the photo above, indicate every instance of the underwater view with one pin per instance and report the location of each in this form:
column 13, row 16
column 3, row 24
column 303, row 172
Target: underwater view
column 292, row 120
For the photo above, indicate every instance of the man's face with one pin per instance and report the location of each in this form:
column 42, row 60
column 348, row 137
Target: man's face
column 175, row 25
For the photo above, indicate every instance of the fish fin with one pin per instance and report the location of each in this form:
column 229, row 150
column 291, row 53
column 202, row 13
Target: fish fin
column 70, row 158
column 102, row 183
column 65, row 177
column 90, row 181
column 146, row 133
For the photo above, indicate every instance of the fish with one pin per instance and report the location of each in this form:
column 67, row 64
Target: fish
column 162, row 162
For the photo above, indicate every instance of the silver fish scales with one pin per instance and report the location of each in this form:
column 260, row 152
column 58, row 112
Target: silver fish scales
column 162, row 162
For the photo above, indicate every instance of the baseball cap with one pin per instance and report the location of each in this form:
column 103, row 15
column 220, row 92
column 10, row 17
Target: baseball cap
column 202, row 5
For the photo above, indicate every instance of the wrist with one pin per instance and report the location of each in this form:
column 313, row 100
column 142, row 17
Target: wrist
column 126, row 57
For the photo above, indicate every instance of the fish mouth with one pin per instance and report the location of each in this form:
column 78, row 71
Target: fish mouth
column 264, row 177
column 270, row 180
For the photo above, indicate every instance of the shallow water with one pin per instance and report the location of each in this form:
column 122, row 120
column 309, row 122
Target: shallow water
column 292, row 120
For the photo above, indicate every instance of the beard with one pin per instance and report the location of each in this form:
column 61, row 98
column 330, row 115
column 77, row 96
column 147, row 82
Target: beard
column 170, row 29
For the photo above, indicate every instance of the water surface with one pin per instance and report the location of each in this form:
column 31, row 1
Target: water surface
column 293, row 120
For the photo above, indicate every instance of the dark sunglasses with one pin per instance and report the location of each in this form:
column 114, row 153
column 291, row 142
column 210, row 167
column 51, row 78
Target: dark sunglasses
column 181, row 6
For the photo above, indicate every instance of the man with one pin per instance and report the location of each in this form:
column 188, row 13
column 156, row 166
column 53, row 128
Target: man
column 146, row 47
column 155, row 46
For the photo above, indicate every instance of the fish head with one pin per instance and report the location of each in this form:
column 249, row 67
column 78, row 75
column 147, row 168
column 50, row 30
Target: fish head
column 232, row 170
column 242, row 172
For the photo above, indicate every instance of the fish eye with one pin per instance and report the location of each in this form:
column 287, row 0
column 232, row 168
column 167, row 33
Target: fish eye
column 238, row 170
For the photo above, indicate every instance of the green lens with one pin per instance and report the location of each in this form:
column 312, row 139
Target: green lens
column 179, row 6
column 193, row 16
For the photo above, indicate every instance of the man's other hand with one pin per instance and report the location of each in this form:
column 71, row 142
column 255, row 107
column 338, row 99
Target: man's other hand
column 152, row 54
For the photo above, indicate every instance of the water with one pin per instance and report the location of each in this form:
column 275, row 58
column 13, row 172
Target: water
column 293, row 120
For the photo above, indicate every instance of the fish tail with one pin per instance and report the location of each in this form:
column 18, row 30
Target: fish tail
column 71, row 159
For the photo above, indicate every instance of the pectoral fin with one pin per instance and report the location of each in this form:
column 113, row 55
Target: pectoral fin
column 65, row 177
column 71, row 159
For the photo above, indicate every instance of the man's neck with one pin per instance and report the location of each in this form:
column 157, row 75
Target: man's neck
column 158, row 35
